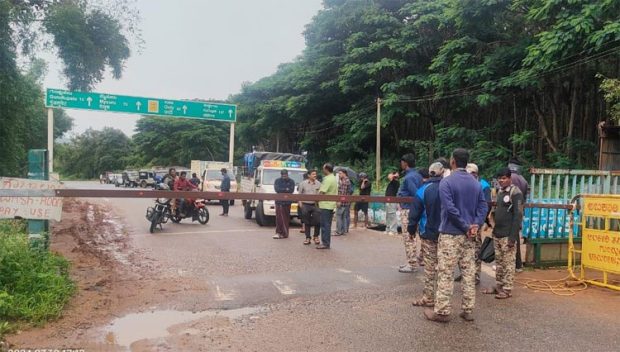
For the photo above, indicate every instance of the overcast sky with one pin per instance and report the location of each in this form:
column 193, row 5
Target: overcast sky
column 200, row 49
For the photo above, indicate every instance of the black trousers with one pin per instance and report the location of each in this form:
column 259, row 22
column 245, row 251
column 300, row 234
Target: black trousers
column 311, row 216
column 225, row 204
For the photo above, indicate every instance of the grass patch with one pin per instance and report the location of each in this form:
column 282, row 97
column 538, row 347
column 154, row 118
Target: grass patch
column 34, row 284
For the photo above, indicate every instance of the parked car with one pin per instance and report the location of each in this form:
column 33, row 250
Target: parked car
column 146, row 178
column 129, row 178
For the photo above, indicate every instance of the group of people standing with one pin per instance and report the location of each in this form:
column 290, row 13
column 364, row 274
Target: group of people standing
column 317, row 217
column 450, row 206
column 448, row 212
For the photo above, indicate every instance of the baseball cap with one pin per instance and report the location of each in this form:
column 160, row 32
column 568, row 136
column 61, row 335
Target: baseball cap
column 471, row 168
column 284, row 172
column 436, row 169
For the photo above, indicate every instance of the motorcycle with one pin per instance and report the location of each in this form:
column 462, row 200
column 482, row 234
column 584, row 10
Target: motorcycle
column 196, row 209
column 163, row 211
column 159, row 214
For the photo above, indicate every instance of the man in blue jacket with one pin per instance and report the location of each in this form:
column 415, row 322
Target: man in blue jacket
column 408, row 188
column 463, row 209
column 425, row 213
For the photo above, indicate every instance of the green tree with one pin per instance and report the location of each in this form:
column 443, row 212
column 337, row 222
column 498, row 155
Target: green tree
column 501, row 77
column 89, row 38
column 164, row 141
column 87, row 155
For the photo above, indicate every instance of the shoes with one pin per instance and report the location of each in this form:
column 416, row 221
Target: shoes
column 277, row 237
column 223, row 214
column 321, row 246
column 407, row 269
column 432, row 316
column 337, row 234
column 519, row 270
column 467, row 316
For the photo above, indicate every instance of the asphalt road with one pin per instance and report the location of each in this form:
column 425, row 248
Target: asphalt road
column 349, row 298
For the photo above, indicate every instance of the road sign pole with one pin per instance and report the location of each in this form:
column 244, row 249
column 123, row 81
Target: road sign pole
column 231, row 147
column 50, row 140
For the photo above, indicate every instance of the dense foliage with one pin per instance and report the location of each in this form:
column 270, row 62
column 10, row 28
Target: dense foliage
column 88, row 38
column 34, row 284
column 502, row 77
column 164, row 141
column 86, row 155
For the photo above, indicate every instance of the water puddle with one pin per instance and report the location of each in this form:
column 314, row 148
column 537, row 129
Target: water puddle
column 134, row 327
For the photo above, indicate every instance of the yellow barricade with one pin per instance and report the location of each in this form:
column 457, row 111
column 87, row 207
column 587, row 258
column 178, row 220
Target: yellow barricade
column 600, row 240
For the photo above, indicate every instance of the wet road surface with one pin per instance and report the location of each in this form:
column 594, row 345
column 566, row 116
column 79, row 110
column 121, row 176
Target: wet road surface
column 349, row 298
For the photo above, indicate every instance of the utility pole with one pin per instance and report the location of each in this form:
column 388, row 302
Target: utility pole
column 378, row 156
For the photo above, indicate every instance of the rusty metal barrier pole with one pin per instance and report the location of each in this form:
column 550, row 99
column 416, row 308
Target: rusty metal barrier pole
column 101, row 193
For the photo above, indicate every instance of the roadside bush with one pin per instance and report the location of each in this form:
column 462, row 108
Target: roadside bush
column 34, row 284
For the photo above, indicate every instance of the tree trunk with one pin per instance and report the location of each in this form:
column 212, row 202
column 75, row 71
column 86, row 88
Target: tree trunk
column 543, row 125
column 571, row 121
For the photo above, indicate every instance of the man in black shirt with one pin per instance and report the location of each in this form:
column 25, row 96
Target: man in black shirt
column 391, row 218
column 284, row 184
column 365, row 189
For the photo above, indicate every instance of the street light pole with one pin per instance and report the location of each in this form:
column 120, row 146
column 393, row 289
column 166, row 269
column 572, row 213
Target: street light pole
column 378, row 156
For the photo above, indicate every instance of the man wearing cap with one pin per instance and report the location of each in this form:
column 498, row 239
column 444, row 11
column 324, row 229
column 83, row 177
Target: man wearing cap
column 425, row 213
column 283, row 184
column 408, row 188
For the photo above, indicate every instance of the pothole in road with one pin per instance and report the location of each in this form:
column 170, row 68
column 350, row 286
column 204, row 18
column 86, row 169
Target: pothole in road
column 134, row 327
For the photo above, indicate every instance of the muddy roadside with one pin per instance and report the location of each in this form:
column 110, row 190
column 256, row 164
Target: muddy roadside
column 112, row 277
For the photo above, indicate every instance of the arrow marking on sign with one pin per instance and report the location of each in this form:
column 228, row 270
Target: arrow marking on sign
column 89, row 100
column 184, row 109
column 230, row 113
column 138, row 105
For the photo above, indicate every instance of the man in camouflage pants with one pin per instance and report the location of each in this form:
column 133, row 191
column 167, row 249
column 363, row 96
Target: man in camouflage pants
column 425, row 214
column 408, row 188
column 508, row 217
column 463, row 210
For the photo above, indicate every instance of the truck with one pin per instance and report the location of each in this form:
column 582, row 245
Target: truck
column 260, row 171
column 210, row 173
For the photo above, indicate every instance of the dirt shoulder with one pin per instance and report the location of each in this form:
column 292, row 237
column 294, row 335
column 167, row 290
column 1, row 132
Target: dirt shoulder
column 112, row 278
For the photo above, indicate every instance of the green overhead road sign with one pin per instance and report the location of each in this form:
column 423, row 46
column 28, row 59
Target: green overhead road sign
column 57, row 98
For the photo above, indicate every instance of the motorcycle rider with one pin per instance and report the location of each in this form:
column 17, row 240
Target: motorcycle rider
column 170, row 178
column 183, row 184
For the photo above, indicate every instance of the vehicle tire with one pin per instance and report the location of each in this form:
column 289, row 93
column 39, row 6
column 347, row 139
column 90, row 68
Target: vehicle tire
column 143, row 184
column 175, row 218
column 260, row 215
column 154, row 221
column 203, row 216
column 247, row 210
